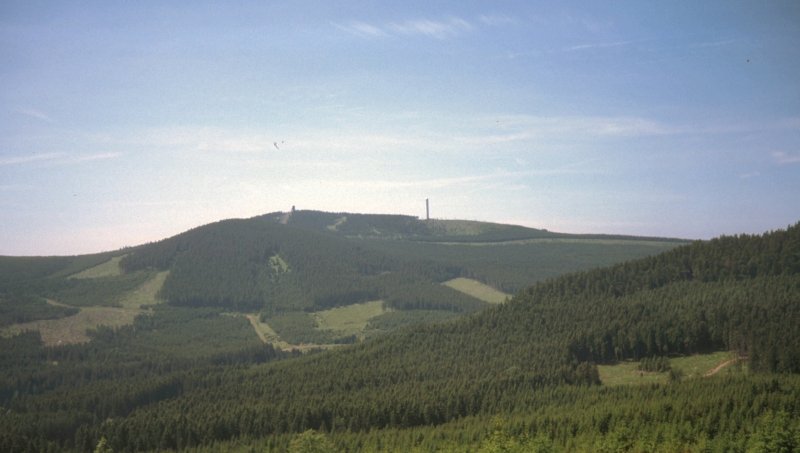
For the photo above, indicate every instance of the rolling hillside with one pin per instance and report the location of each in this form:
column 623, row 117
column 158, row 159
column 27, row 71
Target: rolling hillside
column 739, row 294
column 518, row 374
column 287, row 269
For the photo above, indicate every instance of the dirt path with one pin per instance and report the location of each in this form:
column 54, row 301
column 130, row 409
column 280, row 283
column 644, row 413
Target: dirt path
column 254, row 322
column 268, row 336
column 719, row 367
column 58, row 304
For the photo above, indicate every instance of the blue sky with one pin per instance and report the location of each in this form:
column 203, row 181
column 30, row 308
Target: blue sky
column 128, row 122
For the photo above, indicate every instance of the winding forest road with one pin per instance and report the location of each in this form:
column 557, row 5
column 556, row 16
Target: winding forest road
column 722, row 365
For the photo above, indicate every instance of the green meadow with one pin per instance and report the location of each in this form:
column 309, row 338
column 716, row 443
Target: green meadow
column 73, row 329
column 692, row 366
column 349, row 320
column 109, row 268
column 477, row 290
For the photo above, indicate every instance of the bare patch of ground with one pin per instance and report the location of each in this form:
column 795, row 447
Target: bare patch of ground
column 72, row 329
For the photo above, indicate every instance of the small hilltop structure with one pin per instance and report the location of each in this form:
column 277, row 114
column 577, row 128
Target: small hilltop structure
column 427, row 209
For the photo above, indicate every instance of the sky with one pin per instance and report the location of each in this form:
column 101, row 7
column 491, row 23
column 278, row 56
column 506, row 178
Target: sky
column 128, row 122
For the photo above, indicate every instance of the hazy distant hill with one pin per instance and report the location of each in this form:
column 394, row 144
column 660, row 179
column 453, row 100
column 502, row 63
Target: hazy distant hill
column 432, row 230
column 290, row 267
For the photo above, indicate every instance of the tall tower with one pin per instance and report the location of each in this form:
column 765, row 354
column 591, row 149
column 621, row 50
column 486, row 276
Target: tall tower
column 427, row 210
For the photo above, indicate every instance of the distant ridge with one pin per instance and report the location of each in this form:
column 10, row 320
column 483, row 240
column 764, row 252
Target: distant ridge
column 395, row 226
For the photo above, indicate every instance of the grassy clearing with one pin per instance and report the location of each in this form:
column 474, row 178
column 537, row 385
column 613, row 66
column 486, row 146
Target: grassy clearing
column 268, row 335
column 109, row 268
column 279, row 266
column 349, row 320
column 335, row 226
column 626, row 373
column 316, row 330
column 700, row 364
column 477, row 290
column 146, row 294
column 72, row 329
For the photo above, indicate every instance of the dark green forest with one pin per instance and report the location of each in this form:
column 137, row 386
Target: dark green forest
column 231, row 264
column 521, row 376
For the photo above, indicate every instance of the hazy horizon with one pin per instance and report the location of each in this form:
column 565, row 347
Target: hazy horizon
column 128, row 123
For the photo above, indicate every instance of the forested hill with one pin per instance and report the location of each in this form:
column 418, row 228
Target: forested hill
column 387, row 226
column 740, row 293
column 252, row 264
column 303, row 277
column 308, row 260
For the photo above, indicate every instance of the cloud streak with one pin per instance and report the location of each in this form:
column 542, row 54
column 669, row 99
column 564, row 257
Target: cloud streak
column 504, row 178
column 34, row 113
column 527, row 127
column 15, row 160
column 720, row 43
column 600, row 45
column 361, row 29
column 93, row 157
column 496, row 20
column 59, row 158
column 450, row 27
column 784, row 158
column 462, row 135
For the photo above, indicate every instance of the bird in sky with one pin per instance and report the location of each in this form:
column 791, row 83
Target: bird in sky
column 276, row 145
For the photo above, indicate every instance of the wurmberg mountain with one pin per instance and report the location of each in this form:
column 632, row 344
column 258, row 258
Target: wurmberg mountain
column 191, row 373
column 733, row 293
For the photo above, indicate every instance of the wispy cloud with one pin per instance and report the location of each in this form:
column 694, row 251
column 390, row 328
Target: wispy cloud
column 513, row 55
column 59, row 158
column 494, row 20
column 791, row 123
column 462, row 135
column 585, row 47
column 15, row 187
column 527, row 127
column 510, row 180
column 465, row 182
column 208, row 139
column 35, row 113
column 97, row 156
column 326, row 141
column 431, row 183
column 439, row 29
column 451, row 27
column 600, row 45
column 784, row 158
column 361, row 29
column 14, row 160
column 718, row 43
